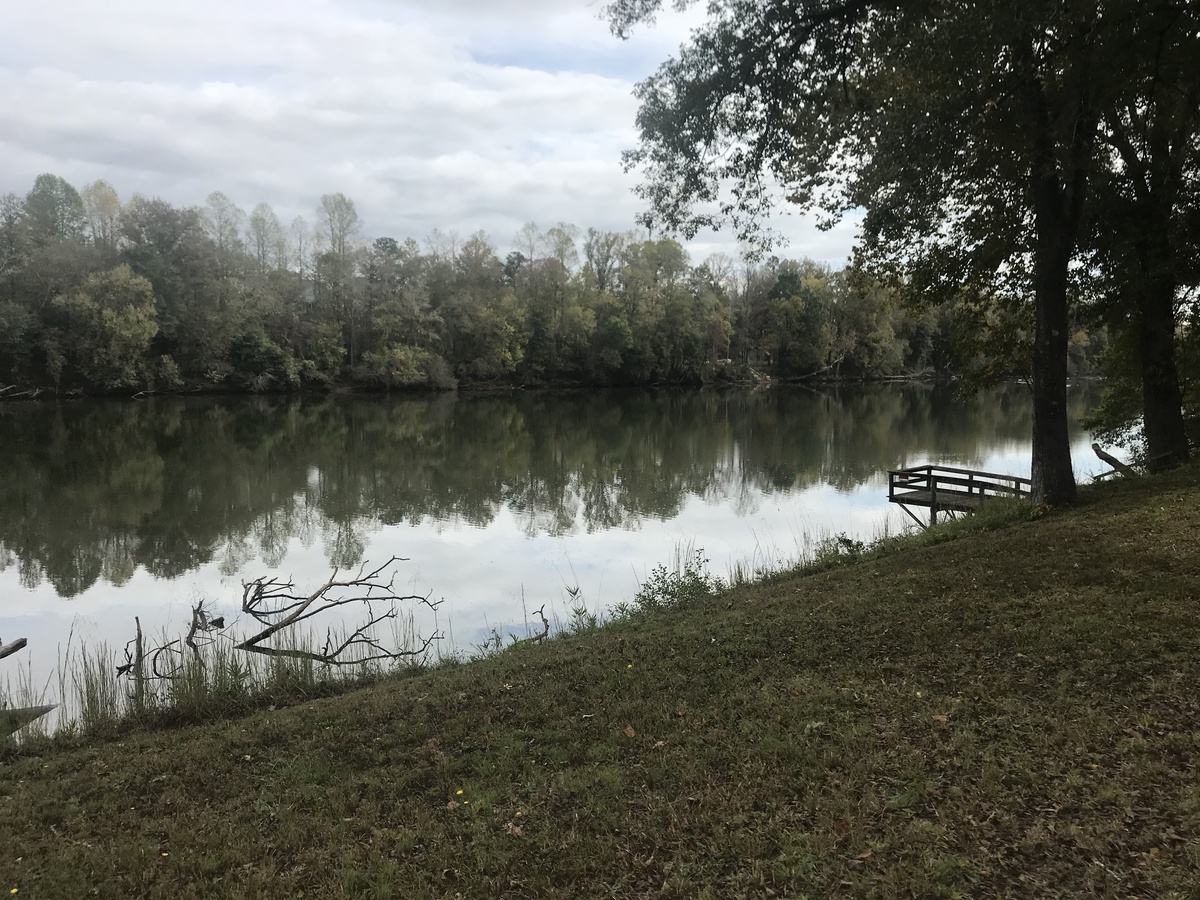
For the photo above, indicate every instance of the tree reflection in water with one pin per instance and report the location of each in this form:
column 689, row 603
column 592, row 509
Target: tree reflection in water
column 93, row 491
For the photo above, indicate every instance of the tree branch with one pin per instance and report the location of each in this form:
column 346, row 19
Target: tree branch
column 277, row 606
column 10, row 649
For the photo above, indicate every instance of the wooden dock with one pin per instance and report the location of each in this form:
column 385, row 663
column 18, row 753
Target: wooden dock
column 949, row 490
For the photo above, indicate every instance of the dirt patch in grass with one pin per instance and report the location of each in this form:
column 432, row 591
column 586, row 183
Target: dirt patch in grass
column 1007, row 713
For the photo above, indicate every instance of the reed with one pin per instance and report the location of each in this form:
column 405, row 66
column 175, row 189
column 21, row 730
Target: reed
column 97, row 691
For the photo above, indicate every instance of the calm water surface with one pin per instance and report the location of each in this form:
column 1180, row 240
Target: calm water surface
column 114, row 509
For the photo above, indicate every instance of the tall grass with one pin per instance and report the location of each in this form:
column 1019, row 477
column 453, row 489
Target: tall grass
column 96, row 693
column 97, row 697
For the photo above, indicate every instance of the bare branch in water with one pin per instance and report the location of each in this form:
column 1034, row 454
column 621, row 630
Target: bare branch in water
column 166, row 660
column 276, row 605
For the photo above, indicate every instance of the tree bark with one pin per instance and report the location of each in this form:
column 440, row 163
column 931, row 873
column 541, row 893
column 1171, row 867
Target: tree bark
column 1052, row 474
column 1055, row 228
column 1061, row 150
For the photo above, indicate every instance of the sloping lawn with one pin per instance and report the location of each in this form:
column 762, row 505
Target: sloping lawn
column 1013, row 712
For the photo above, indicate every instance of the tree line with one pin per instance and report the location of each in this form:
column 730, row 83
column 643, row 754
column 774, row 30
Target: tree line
column 99, row 295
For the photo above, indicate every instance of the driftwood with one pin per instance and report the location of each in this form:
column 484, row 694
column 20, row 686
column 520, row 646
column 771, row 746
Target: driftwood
column 19, row 395
column 12, row 720
column 10, row 649
column 276, row 605
column 202, row 625
column 165, row 662
column 1117, row 465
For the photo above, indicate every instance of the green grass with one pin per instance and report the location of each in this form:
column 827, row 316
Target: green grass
column 1004, row 708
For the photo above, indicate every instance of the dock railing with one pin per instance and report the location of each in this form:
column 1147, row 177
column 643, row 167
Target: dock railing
column 950, row 489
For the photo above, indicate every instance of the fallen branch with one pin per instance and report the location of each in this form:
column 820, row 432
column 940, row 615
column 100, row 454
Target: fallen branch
column 277, row 606
column 20, row 395
column 10, row 649
column 202, row 625
column 12, row 720
column 1119, row 466
column 166, row 660
column 538, row 638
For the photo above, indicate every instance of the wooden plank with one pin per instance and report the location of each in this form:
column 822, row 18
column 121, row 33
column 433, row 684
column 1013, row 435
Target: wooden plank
column 956, row 500
column 950, row 489
column 956, row 470
column 973, row 485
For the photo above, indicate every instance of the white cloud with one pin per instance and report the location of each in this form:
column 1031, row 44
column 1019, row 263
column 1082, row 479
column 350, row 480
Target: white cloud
column 458, row 115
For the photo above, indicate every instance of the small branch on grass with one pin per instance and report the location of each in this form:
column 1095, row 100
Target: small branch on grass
column 533, row 638
column 538, row 638
column 276, row 605
column 12, row 720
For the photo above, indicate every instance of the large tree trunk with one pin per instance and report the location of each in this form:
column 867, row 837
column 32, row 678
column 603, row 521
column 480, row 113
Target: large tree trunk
column 1052, row 474
column 1162, row 397
column 1058, row 185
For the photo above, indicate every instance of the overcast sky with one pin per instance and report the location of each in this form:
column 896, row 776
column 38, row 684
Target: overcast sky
column 456, row 114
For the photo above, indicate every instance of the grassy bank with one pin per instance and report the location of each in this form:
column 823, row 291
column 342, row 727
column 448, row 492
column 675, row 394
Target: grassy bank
column 1010, row 712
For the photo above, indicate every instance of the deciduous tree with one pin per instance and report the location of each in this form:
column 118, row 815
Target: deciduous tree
column 966, row 130
column 106, row 325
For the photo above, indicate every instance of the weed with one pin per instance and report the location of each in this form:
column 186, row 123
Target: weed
column 583, row 620
column 489, row 646
column 680, row 587
column 837, row 551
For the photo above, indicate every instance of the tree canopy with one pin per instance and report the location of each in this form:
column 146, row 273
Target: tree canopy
column 972, row 135
column 144, row 295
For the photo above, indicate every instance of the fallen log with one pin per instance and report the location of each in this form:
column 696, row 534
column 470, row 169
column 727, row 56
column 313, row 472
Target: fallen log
column 12, row 720
column 1121, row 467
column 10, row 649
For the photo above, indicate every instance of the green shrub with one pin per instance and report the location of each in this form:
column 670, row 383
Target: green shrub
column 399, row 366
column 260, row 364
column 688, row 583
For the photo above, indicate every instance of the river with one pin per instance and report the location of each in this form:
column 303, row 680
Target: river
column 500, row 503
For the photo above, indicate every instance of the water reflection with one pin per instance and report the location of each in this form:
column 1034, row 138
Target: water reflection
column 95, row 491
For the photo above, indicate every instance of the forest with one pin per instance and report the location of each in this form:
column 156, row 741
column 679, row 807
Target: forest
column 104, row 296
